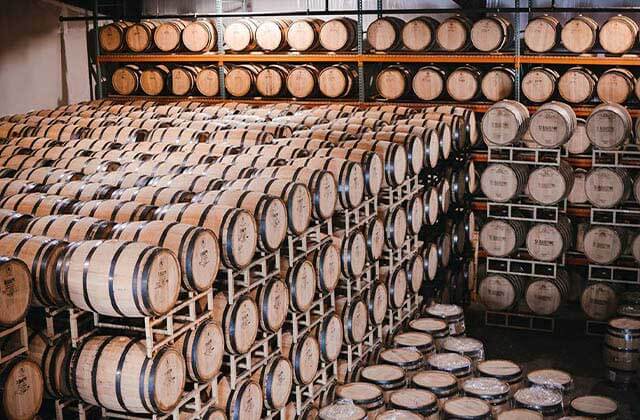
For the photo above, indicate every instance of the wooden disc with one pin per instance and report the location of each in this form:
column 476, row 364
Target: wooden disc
column 435, row 379
column 499, row 368
column 462, row 85
column 452, row 35
column 466, row 407
column 594, row 405
column 167, row 36
column 124, row 81
column 391, row 83
column 342, row 411
column 334, row 35
column 543, row 297
column 15, row 293
column 208, row 82
column 301, row 35
column 497, row 85
column 578, row 36
column 575, row 86
column 416, row 35
column 332, row 82
column 412, row 399
column 599, row 301
column 497, row 292
column 22, row 390
column 540, row 35
column 428, row 84
column 269, row 82
column 487, row 35
column 198, row 37
column 602, row 244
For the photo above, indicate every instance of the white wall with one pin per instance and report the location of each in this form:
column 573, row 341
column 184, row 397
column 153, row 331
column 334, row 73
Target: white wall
column 43, row 63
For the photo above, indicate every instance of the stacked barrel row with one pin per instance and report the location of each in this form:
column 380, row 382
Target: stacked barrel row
column 432, row 370
column 181, row 188
column 240, row 80
column 534, row 181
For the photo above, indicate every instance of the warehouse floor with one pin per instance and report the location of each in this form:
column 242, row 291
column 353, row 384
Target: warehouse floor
column 575, row 353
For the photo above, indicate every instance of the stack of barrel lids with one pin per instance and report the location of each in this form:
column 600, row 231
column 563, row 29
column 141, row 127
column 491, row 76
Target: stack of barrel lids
column 432, row 370
column 228, row 253
column 22, row 383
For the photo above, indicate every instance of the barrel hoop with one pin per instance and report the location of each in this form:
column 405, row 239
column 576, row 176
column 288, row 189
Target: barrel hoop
column 145, row 276
column 112, row 268
column 185, row 347
column 233, row 407
column 203, row 216
column 94, row 368
column 50, row 352
column 266, row 380
column 73, row 223
column 621, row 350
column 73, row 366
column 141, row 387
column 85, row 273
column 322, row 338
column 118, row 383
column 35, row 268
column 232, row 222
column 191, row 234
column 194, row 355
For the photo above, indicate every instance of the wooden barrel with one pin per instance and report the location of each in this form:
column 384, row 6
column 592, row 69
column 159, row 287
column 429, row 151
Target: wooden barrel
column 393, row 82
column 539, row 84
column 326, row 259
column 139, row 36
column 38, row 204
column 415, row 402
column 502, row 183
column 240, row 79
column 498, row 83
column 616, row 85
column 53, row 359
column 156, row 196
column 11, row 221
column 396, row 282
column 304, row 355
column 544, row 296
column 196, row 248
column 329, row 335
column 393, row 155
column 603, row 244
column 183, row 80
column 504, row 122
column 384, row 33
column 549, row 241
column 302, row 80
column 126, row 79
column 60, row 131
column 243, row 402
column 542, row 33
column 353, row 251
column 501, row 292
column 16, row 295
column 607, row 187
column 377, row 302
column 271, row 35
column 490, row 390
column 463, row 84
column 599, row 301
column 418, row 34
column 355, row 318
column 239, row 322
column 394, row 220
column 609, row 126
column 621, row 349
column 276, row 380
column 9, row 187
column 453, row 33
column 157, row 389
column 341, row 410
column 420, row 341
column 465, row 346
column 276, row 151
column 118, row 179
column 492, row 33
column 619, row 34
column 414, row 209
column 199, row 36
column 502, row 237
column 235, row 228
column 240, row 35
column 429, row 82
column 466, row 408
column 295, row 195
column 272, row 300
column 388, row 377
column 578, row 194
column 154, row 80
column 117, row 134
column 365, row 395
column 339, row 34
column 349, row 176
column 337, row 81
column 187, row 182
column 552, row 124
column 80, row 190
column 414, row 145
column 98, row 292
column 579, row 34
column 545, row 401
column 503, row 370
column 167, row 35
column 595, row 406
column 442, row 384
column 577, row 85
column 300, row 276
column 115, row 210
column 208, row 81
column 202, row 350
column 304, row 34
column 112, row 36
column 456, row 364
column 549, row 185
column 22, row 387
column 369, row 161
column 271, row 80
column 70, row 228
column 409, row 359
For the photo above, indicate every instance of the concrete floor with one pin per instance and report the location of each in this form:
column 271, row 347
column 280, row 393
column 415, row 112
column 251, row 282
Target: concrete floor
column 568, row 348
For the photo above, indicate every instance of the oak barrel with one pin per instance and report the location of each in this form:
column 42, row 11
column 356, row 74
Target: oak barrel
column 15, row 296
column 239, row 322
column 607, row 187
column 272, row 80
column 70, row 227
column 126, row 79
column 112, row 36
column 577, row 85
column 337, row 80
column 418, row 34
column 302, row 80
column 240, row 35
column 498, row 83
column 355, row 318
column 202, row 350
column 609, row 126
column 384, row 33
column 549, row 185
column 276, row 380
column 604, row 244
column 542, row 33
column 393, row 82
column 552, row 124
column 240, row 79
column 139, row 36
column 428, row 82
column 453, row 33
column 616, row 85
column 492, row 33
column 539, row 84
column 544, row 296
column 167, row 35
column 208, row 81
column 21, row 389
column 154, row 80
column 619, row 34
column 599, row 301
column 504, row 122
column 463, row 84
column 271, row 35
column 304, row 34
column 272, row 300
column 300, row 276
column 199, row 36
column 500, row 292
column 339, row 34
column 579, row 34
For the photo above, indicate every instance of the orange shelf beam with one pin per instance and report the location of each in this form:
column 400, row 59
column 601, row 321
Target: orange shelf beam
column 593, row 60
